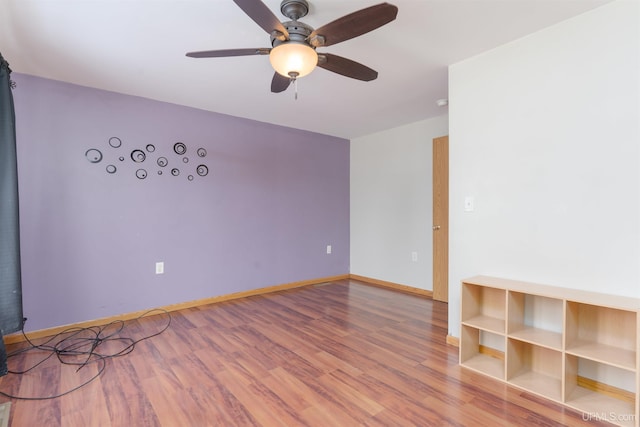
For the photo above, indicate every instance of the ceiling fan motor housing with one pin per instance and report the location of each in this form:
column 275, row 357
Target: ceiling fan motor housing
column 298, row 33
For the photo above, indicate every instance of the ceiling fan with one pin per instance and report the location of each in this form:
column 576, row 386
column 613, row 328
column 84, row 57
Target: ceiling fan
column 293, row 52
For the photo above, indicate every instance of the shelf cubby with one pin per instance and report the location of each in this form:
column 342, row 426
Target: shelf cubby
column 535, row 319
column 484, row 308
column 603, row 334
column 479, row 356
column 608, row 401
column 534, row 368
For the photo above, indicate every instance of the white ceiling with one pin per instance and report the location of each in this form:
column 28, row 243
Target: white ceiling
column 138, row 47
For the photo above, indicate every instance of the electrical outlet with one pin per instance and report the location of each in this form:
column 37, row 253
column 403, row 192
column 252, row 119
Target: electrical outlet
column 414, row 256
column 328, row 249
column 160, row 267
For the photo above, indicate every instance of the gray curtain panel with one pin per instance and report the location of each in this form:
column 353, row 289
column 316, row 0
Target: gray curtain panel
column 3, row 358
column 10, row 279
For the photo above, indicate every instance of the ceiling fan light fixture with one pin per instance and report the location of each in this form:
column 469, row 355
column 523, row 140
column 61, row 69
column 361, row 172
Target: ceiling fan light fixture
column 293, row 59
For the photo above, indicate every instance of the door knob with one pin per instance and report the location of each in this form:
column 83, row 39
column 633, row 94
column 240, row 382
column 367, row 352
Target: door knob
column 436, row 227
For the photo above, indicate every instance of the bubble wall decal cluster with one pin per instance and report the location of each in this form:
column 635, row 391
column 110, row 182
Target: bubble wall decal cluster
column 175, row 158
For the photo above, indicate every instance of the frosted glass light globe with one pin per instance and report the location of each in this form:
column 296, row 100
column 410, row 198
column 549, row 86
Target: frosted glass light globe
column 293, row 59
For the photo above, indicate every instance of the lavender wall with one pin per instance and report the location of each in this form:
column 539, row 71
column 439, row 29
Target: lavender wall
column 273, row 199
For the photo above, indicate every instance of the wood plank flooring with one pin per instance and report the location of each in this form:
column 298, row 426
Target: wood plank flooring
column 337, row 354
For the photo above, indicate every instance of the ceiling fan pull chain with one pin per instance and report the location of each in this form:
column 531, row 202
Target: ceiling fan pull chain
column 294, row 78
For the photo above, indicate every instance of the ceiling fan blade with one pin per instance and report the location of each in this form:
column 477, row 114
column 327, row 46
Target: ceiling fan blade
column 346, row 67
column 279, row 83
column 262, row 16
column 229, row 52
column 353, row 25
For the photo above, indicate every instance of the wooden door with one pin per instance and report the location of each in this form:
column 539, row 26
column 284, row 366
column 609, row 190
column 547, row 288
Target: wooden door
column 441, row 219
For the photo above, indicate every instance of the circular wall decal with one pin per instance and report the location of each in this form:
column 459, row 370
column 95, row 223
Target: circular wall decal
column 202, row 152
column 151, row 148
column 179, row 148
column 138, row 156
column 115, row 142
column 141, row 173
column 121, row 158
column 93, row 155
column 190, row 177
column 175, row 171
column 162, row 162
column 202, row 170
column 185, row 160
column 111, row 169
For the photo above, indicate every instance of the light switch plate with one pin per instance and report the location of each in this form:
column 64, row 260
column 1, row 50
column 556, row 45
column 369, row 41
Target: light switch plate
column 468, row 204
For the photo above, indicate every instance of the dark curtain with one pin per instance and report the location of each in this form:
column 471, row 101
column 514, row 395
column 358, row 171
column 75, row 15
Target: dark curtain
column 10, row 280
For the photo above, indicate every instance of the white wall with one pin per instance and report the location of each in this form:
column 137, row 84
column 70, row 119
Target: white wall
column 544, row 134
column 391, row 206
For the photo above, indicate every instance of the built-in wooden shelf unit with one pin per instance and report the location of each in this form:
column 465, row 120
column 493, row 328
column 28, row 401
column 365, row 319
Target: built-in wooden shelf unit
column 578, row 348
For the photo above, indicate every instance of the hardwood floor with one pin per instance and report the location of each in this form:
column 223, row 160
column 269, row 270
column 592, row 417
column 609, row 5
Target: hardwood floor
column 338, row 354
